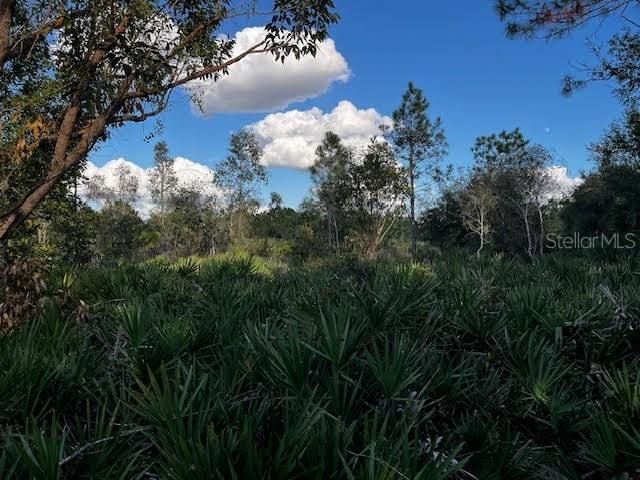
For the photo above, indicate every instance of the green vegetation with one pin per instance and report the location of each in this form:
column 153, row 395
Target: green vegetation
column 222, row 338
column 238, row 367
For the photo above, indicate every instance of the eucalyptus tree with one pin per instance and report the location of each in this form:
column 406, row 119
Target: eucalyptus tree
column 239, row 175
column 420, row 143
column 73, row 71
column 123, row 192
column 329, row 175
column 163, row 180
column 378, row 186
column 192, row 226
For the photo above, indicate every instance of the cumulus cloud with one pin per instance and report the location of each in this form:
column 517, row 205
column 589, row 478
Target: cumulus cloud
column 260, row 84
column 189, row 173
column 563, row 183
column 290, row 139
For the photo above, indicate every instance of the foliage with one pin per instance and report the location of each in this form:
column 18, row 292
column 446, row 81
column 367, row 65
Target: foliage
column 238, row 176
column 620, row 63
column 378, row 187
column 162, row 179
column 420, row 143
column 358, row 192
column 241, row 171
column 236, row 367
column 329, row 175
column 620, row 145
column 23, row 289
column 124, row 192
column 512, row 178
column 606, row 203
column 72, row 74
column 119, row 231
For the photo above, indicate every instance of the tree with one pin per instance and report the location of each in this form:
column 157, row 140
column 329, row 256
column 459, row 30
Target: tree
column 162, row 178
column 553, row 19
column 240, row 173
column 192, row 224
column 517, row 174
column 620, row 145
column 69, row 75
column 329, row 175
column 542, row 188
column 378, row 186
column 421, row 143
column 124, row 192
column 477, row 203
column 275, row 201
column 442, row 224
column 118, row 232
column 498, row 151
column 606, row 203
column 56, row 228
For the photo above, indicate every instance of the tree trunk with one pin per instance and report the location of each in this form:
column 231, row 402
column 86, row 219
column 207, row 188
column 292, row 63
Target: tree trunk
column 525, row 213
column 6, row 16
column 481, row 233
column 541, row 231
column 63, row 160
column 412, row 213
column 62, row 163
column 10, row 221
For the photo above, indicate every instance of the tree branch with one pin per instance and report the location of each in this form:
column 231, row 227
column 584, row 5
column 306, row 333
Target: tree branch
column 196, row 75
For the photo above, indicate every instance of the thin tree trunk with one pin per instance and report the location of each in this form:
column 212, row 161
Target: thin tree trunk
column 524, row 211
column 212, row 250
column 541, row 231
column 384, row 229
column 481, row 233
column 412, row 201
column 335, row 226
column 528, row 229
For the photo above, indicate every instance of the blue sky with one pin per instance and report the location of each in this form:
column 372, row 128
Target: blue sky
column 476, row 79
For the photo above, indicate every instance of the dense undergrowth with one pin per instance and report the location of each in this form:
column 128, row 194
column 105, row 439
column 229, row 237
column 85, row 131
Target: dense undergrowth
column 241, row 369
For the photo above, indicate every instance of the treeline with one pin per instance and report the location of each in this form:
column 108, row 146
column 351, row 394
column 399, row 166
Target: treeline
column 392, row 197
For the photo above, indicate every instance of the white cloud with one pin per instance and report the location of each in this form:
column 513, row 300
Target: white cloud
column 260, row 84
column 563, row 184
column 290, row 139
column 188, row 172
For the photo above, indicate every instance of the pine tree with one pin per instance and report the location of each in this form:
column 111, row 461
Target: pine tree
column 421, row 144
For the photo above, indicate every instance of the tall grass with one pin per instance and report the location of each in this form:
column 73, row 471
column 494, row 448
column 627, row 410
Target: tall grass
column 239, row 368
